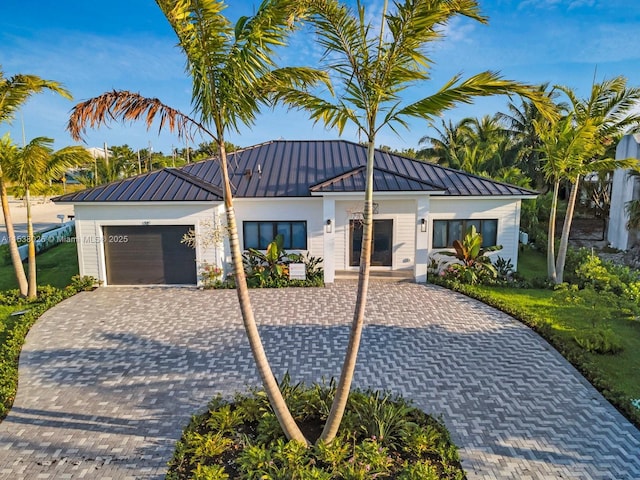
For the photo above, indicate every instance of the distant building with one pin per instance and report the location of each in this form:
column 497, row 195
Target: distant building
column 624, row 189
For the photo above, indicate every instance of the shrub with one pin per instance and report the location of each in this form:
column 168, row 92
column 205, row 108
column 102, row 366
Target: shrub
column 382, row 437
column 600, row 340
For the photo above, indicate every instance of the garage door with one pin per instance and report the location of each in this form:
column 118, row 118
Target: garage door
column 148, row 255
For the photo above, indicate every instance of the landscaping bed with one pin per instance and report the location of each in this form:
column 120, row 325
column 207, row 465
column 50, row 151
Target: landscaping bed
column 381, row 437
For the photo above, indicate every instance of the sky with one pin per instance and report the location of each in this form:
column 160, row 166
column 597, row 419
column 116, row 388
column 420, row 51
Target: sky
column 93, row 47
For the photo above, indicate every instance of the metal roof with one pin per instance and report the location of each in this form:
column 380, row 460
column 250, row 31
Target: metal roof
column 383, row 181
column 295, row 168
column 166, row 185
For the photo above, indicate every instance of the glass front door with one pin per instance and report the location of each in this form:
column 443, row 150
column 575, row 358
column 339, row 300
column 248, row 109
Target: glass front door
column 382, row 245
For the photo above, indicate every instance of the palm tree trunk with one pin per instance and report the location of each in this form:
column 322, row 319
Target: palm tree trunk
column 349, row 365
column 551, row 240
column 286, row 420
column 18, row 267
column 32, row 290
column 566, row 229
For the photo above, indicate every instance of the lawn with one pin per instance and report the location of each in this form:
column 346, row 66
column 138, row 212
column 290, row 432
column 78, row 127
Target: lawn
column 54, row 267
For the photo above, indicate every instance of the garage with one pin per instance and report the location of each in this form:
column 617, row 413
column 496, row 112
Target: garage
column 148, row 255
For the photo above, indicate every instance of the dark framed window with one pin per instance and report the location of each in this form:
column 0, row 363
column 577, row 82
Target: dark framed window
column 260, row 234
column 446, row 231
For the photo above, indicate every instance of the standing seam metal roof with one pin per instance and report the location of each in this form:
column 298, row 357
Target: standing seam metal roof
column 295, row 168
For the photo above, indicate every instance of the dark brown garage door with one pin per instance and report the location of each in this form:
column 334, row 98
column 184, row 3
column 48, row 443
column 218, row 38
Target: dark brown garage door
column 148, row 255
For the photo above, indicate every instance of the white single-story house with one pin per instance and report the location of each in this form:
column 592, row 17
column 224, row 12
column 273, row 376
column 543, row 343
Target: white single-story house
column 624, row 188
column 129, row 232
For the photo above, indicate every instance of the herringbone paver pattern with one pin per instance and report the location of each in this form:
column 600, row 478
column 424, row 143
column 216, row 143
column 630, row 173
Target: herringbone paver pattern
column 109, row 378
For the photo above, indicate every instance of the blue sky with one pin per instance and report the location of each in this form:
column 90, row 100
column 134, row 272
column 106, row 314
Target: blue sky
column 93, row 47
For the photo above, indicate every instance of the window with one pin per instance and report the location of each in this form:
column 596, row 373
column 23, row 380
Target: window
column 446, row 231
column 260, row 234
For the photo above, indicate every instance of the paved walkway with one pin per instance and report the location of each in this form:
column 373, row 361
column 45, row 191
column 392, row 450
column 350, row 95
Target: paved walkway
column 109, row 378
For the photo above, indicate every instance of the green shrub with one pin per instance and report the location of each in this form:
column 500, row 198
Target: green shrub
column 405, row 443
column 599, row 340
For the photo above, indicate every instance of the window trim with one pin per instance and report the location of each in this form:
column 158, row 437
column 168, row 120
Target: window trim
column 274, row 227
column 464, row 230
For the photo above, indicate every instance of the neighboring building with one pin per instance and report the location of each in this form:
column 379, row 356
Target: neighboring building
column 129, row 231
column 623, row 189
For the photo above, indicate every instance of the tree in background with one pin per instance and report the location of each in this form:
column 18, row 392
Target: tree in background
column 32, row 166
column 611, row 111
column 14, row 92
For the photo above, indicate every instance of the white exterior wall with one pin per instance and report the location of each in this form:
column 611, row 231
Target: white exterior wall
column 506, row 211
column 285, row 209
column 623, row 190
column 90, row 218
column 411, row 250
column 403, row 214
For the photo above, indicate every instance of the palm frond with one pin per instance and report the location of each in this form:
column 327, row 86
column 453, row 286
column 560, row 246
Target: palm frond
column 125, row 106
column 480, row 85
column 16, row 90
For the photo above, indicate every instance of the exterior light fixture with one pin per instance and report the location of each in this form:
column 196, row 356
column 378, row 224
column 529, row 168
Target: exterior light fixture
column 423, row 225
column 327, row 227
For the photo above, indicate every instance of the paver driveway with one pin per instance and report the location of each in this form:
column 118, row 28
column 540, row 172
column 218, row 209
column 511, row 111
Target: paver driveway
column 109, row 378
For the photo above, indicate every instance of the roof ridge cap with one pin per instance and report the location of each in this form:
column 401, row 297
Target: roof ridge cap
column 198, row 182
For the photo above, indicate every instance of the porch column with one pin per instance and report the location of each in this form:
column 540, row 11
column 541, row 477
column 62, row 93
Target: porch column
column 422, row 239
column 328, row 235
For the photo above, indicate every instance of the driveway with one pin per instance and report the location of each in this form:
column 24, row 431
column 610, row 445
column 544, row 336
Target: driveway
column 109, row 378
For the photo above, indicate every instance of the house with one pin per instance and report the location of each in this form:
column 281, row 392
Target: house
column 311, row 192
column 623, row 189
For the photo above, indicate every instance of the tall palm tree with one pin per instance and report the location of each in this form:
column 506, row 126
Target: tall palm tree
column 14, row 92
column 374, row 65
column 233, row 75
column 564, row 147
column 34, row 165
column 610, row 109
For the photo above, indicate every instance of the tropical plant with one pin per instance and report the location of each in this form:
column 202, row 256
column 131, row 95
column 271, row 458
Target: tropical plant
column 14, row 92
column 383, row 436
column 603, row 118
column 447, row 147
column 31, row 166
column 564, row 146
column 373, row 65
column 271, row 267
column 273, row 263
column 233, row 75
column 474, row 264
column 520, row 124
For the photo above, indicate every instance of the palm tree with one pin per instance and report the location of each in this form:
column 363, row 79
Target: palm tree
column 520, row 124
column 233, row 75
column 374, row 65
column 34, row 165
column 610, row 109
column 564, row 147
column 14, row 92
column 446, row 148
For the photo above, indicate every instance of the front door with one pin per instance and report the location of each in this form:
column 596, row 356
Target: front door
column 382, row 245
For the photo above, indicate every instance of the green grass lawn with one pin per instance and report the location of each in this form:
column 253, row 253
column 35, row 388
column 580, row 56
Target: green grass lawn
column 54, row 267
column 532, row 264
